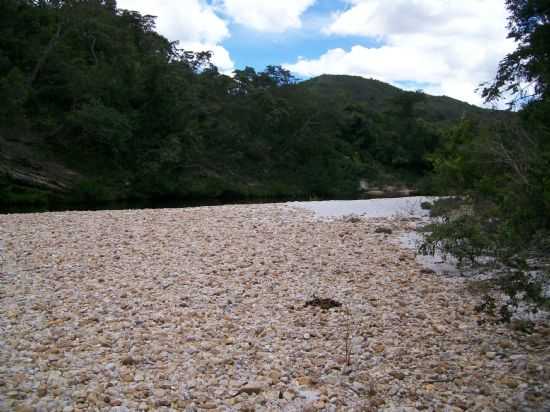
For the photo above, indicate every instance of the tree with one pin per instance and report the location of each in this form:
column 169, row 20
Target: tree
column 524, row 74
column 278, row 75
column 501, row 170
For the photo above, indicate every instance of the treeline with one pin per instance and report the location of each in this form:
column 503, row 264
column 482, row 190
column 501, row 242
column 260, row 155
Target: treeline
column 135, row 116
column 500, row 170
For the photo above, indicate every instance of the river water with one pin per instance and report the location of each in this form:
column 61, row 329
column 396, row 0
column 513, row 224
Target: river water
column 404, row 207
column 373, row 208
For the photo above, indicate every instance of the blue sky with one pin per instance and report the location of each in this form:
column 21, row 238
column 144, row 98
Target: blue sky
column 248, row 47
column 445, row 47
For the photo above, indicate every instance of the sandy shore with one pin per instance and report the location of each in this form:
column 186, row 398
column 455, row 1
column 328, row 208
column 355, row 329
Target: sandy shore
column 203, row 309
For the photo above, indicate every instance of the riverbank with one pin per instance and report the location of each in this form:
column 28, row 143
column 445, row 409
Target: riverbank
column 206, row 308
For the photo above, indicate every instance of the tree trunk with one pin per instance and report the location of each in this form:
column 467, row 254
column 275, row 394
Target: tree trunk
column 92, row 49
column 45, row 54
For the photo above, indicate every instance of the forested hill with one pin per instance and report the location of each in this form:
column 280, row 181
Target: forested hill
column 96, row 105
column 381, row 96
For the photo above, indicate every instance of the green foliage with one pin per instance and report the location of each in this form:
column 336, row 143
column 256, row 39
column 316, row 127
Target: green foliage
column 12, row 194
column 93, row 191
column 501, row 173
column 501, row 170
column 465, row 238
column 98, row 125
column 135, row 115
column 13, row 95
column 525, row 73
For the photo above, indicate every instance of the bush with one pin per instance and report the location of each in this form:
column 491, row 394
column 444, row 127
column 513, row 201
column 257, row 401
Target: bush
column 14, row 91
column 486, row 243
column 102, row 127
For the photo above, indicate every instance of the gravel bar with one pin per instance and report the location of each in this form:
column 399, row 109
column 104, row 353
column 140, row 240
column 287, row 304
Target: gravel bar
column 205, row 309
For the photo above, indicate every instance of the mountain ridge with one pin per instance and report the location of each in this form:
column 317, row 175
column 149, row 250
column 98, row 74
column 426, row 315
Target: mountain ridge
column 379, row 93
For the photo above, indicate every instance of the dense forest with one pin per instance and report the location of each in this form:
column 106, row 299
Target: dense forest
column 97, row 106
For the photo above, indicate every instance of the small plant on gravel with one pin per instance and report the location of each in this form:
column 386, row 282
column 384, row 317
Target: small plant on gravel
column 517, row 264
column 348, row 335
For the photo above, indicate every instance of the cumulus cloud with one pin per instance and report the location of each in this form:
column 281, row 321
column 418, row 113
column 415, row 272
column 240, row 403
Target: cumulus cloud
column 451, row 46
column 194, row 23
column 267, row 16
column 220, row 56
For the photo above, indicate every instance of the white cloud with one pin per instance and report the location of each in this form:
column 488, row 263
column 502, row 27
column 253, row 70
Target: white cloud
column 193, row 23
column 451, row 45
column 220, row 56
column 267, row 15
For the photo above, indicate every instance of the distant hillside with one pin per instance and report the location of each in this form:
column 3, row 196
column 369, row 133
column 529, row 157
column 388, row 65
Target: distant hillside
column 379, row 95
column 373, row 92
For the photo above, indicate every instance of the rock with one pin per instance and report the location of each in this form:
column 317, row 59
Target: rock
column 460, row 403
column 275, row 375
column 440, row 329
column 508, row 381
column 384, row 229
column 93, row 398
column 251, row 389
column 128, row 361
column 127, row 377
column 319, row 405
column 24, row 408
column 397, row 375
column 42, row 390
column 159, row 393
column 352, row 219
column 359, row 387
column 379, row 348
column 110, row 366
column 271, row 395
column 163, row 402
column 305, row 381
column 403, row 193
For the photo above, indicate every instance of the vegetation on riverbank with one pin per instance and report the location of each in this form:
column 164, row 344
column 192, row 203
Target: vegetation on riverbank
column 97, row 106
column 501, row 170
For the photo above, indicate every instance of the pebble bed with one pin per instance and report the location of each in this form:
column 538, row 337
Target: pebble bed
column 204, row 309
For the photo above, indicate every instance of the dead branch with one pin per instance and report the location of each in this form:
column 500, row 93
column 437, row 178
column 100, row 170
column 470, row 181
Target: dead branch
column 49, row 48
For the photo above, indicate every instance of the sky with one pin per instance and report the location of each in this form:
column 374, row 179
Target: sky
column 444, row 47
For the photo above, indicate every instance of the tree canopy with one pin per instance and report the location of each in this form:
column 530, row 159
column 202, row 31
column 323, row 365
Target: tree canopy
column 524, row 74
column 98, row 91
column 501, row 171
